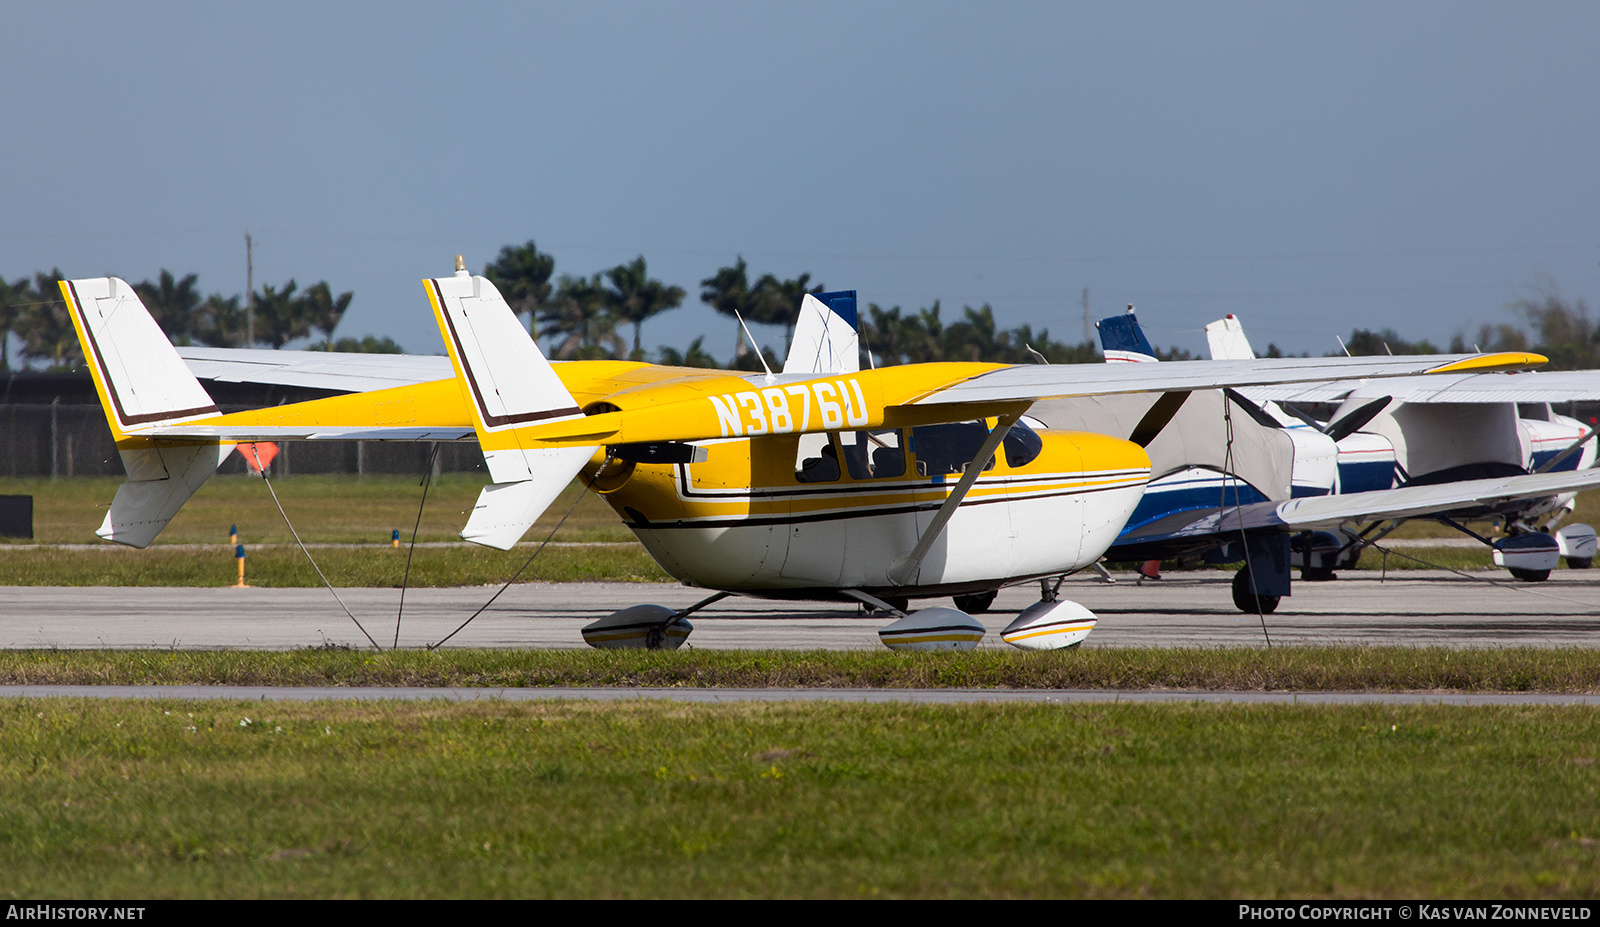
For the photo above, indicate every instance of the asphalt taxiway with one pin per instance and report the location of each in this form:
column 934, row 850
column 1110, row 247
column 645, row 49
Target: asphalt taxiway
column 1188, row 609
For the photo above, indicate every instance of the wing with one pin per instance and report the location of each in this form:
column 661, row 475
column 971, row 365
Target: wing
column 1035, row 382
column 1540, row 386
column 1324, row 512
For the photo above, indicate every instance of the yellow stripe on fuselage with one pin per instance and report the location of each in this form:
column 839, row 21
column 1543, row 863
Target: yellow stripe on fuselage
column 755, row 480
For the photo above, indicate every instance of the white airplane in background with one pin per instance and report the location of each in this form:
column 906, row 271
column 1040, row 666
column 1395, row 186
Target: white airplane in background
column 1418, row 431
column 1230, row 472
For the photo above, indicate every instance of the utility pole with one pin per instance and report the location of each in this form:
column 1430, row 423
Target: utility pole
column 1088, row 327
column 250, row 292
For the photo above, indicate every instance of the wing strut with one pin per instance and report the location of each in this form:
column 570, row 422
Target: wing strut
column 1157, row 417
column 906, row 567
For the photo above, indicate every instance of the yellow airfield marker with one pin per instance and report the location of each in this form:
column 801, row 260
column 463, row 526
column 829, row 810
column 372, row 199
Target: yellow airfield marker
column 395, row 538
column 238, row 553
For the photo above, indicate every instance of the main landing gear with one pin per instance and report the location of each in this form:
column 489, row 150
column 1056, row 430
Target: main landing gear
column 1529, row 554
column 1247, row 600
column 1049, row 624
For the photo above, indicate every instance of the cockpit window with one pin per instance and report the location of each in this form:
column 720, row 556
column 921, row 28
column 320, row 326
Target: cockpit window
column 948, row 448
column 1022, row 445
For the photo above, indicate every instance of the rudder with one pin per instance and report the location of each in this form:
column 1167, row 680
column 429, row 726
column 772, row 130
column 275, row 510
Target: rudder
column 142, row 382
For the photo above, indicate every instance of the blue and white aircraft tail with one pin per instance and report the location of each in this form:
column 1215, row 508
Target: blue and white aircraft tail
column 826, row 337
column 1123, row 341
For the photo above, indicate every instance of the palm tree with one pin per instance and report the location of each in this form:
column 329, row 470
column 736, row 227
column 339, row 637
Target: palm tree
column 522, row 275
column 47, row 332
column 579, row 315
column 278, row 317
column 777, row 302
column 219, row 322
column 14, row 299
column 322, row 311
column 976, row 338
column 728, row 292
column 696, row 356
column 171, row 303
column 634, row 297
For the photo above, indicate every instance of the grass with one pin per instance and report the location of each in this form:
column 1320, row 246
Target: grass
column 285, row 566
column 166, row 799
column 324, row 509
column 1310, row 669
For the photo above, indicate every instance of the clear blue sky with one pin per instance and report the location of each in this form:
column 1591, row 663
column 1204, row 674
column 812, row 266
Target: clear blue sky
column 1312, row 167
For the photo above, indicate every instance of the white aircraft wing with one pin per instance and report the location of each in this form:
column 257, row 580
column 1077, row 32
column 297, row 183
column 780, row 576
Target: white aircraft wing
column 1052, row 381
column 315, row 369
column 1324, row 512
column 1528, row 386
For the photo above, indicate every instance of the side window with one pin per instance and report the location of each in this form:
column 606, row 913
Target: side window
column 873, row 455
column 817, row 460
column 948, row 448
column 1021, row 445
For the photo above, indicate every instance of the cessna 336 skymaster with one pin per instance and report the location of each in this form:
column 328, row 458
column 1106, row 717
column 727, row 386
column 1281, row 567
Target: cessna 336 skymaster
column 840, row 485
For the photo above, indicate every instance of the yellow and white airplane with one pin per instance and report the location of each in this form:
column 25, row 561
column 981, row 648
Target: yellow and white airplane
column 814, row 483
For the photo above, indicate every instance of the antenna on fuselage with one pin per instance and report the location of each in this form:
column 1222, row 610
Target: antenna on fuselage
column 753, row 346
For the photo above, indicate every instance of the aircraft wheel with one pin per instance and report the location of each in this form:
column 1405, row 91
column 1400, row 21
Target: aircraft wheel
column 1579, row 563
column 900, row 602
column 1248, row 602
column 1318, row 575
column 1529, row 576
column 977, row 603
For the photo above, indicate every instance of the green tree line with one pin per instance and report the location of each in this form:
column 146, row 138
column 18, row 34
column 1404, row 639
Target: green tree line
column 602, row 316
column 31, row 308
column 1561, row 330
column 580, row 317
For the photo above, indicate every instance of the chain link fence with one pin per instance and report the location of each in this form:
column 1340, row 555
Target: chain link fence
column 52, row 425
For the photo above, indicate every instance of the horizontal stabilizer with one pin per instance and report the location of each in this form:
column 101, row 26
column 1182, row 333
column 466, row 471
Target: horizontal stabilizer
column 244, row 433
column 314, row 369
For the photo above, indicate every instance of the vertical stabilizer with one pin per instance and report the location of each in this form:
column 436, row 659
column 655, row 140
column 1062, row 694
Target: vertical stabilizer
column 137, row 372
column 826, row 339
column 508, row 384
column 1122, row 340
column 142, row 382
column 1227, row 340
